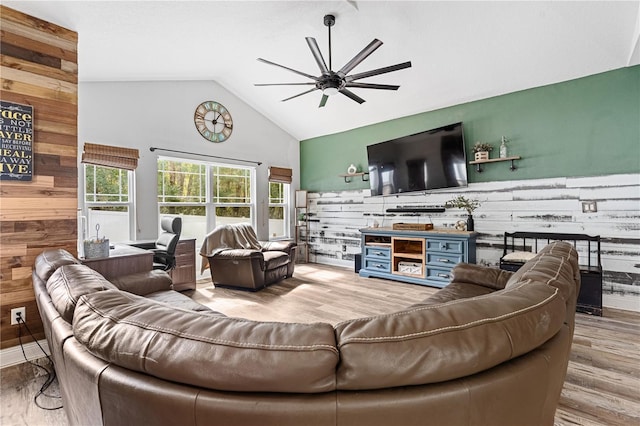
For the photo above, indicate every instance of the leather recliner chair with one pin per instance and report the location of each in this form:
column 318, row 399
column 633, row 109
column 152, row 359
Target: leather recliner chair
column 238, row 260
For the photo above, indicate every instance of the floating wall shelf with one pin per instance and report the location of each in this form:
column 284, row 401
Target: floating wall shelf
column 479, row 163
column 349, row 176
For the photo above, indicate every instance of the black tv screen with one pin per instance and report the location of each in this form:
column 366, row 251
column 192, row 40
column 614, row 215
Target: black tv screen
column 433, row 159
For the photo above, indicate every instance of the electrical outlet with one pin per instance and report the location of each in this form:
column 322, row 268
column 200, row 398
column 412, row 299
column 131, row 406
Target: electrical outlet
column 589, row 207
column 14, row 315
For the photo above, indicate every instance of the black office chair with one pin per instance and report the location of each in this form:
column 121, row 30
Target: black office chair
column 164, row 248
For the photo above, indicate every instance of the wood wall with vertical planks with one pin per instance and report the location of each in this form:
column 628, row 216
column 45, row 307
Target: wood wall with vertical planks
column 38, row 68
column 535, row 205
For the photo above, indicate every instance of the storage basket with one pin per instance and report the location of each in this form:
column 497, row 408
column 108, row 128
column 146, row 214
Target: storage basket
column 413, row 268
column 94, row 249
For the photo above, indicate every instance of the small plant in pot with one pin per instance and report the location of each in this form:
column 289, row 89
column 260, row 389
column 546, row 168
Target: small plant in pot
column 463, row 202
column 481, row 150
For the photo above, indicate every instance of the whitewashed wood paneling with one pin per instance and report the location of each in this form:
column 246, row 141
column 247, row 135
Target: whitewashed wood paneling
column 536, row 205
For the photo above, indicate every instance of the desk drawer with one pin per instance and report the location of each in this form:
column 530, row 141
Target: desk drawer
column 447, row 246
column 377, row 252
column 438, row 274
column 377, row 265
column 444, row 260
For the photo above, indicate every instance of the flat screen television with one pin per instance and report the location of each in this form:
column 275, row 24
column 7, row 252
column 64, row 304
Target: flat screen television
column 434, row 159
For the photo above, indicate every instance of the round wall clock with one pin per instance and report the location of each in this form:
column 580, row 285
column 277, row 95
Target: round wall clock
column 213, row 121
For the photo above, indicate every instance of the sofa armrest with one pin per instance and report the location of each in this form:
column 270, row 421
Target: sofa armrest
column 143, row 283
column 284, row 246
column 485, row 276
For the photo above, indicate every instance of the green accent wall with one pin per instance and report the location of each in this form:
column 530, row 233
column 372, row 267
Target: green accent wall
column 584, row 127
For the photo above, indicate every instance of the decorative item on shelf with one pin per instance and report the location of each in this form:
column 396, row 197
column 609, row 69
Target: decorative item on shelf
column 412, row 226
column 461, row 225
column 503, row 148
column 352, row 169
column 96, row 247
column 481, row 150
column 463, row 202
column 302, row 218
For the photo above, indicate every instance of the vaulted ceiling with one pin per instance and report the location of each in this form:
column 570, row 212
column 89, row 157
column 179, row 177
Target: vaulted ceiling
column 460, row 51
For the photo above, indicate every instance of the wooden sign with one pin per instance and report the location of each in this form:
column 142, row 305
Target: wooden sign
column 16, row 141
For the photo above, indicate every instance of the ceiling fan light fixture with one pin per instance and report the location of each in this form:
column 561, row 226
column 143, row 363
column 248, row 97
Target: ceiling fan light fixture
column 330, row 91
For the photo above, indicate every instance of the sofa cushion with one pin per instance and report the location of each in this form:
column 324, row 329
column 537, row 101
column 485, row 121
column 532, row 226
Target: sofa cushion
column 447, row 341
column 518, row 256
column 556, row 265
column 212, row 352
column 275, row 259
column 454, row 291
column 143, row 283
column 181, row 301
column 69, row 282
column 48, row 261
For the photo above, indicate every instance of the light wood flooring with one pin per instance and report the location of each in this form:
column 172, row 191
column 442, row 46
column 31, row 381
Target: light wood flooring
column 603, row 379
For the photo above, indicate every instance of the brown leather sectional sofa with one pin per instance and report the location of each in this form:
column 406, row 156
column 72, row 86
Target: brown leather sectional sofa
column 491, row 348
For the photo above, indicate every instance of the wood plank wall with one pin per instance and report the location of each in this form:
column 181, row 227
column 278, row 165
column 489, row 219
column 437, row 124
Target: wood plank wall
column 537, row 205
column 38, row 68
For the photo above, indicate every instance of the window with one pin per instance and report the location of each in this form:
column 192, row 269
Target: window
column 108, row 202
column 278, row 209
column 205, row 195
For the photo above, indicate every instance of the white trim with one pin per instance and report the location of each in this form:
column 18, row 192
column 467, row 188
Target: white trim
column 13, row 356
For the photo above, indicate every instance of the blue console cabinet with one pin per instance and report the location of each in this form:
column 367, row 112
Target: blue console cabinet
column 417, row 257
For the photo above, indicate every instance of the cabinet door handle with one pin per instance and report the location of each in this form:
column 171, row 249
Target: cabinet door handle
column 444, row 260
column 443, row 275
column 443, row 246
column 379, row 253
column 380, row 266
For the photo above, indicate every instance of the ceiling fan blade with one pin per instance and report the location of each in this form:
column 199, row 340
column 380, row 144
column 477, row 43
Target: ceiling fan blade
column 351, row 95
column 378, row 71
column 372, row 86
column 323, row 101
column 285, row 84
column 317, row 55
column 364, row 53
column 300, row 94
column 290, row 69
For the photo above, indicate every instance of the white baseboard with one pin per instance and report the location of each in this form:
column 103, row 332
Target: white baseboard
column 13, row 356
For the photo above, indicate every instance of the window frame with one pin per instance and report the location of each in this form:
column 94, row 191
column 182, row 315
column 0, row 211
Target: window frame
column 130, row 204
column 286, row 206
column 209, row 204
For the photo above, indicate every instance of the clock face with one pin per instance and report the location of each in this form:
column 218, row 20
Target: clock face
column 213, row 121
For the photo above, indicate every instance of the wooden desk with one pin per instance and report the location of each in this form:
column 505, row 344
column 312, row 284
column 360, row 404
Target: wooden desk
column 123, row 260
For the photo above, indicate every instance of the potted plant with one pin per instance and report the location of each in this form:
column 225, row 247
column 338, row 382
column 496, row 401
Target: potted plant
column 481, row 150
column 463, row 202
column 302, row 217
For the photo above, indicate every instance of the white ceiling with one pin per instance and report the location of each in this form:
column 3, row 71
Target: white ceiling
column 461, row 51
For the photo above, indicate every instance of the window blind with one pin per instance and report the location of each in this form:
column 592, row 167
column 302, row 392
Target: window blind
column 110, row 156
column 280, row 174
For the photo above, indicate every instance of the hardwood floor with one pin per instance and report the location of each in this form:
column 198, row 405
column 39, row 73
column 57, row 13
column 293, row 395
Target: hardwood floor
column 603, row 379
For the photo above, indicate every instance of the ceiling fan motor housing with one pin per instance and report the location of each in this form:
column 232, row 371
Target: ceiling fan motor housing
column 331, row 80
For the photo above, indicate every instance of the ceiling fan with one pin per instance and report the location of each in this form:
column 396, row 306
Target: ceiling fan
column 332, row 82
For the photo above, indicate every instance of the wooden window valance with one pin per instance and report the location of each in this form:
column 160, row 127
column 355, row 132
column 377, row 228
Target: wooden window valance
column 110, row 156
column 280, row 174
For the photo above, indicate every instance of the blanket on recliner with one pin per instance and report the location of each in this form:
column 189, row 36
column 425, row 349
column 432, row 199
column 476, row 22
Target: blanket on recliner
column 228, row 237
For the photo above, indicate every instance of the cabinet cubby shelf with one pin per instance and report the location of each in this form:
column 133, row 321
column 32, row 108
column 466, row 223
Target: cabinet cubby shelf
column 479, row 163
